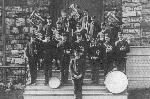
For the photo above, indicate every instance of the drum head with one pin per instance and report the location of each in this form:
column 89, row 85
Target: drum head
column 116, row 82
column 54, row 82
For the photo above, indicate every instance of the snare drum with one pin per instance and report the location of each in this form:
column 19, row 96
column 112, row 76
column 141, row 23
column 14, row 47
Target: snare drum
column 116, row 81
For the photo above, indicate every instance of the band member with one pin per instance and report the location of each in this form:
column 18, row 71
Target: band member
column 122, row 48
column 114, row 21
column 76, row 69
column 41, row 29
column 31, row 53
column 65, row 50
column 104, row 30
column 94, row 28
column 49, row 27
column 82, row 44
column 108, row 55
column 63, row 19
column 72, row 23
column 85, row 20
column 50, row 47
column 81, row 31
column 57, row 36
column 96, row 55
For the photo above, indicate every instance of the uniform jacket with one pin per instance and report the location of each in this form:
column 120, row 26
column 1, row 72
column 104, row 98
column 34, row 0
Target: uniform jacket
column 49, row 49
column 96, row 51
column 108, row 56
column 49, row 32
column 94, row 29
column 30, row 50
column 121, row 54
column 76, row 67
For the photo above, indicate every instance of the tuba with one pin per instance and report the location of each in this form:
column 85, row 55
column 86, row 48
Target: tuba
column 74, row 11
column 34, row 17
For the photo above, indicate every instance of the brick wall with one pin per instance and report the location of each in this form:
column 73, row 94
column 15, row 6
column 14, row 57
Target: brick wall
column 136, row 16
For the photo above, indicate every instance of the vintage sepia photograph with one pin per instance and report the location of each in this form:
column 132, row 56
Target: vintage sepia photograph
column 74, row 49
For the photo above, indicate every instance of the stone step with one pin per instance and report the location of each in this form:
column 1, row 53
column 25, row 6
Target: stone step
column 85, row 81
column 66, row 92
column 63, row 88
column 40, row 74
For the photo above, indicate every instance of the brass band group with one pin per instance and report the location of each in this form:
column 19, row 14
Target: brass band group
column 75, row 39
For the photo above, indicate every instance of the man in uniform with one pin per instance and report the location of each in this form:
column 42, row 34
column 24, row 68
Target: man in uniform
column 49, row 27
column 50, row 47
column 82, row 44
column 76, row 68
column 94, row 28
column 121, row 49
column 64, row 52
column 108, row 55
column 95, row 54
column 31, row 53
column 63, row 19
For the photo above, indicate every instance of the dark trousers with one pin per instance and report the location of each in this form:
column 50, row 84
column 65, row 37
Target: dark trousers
column 77, row 83
column 48, row 70
column 108, row 66
column 64, row 68
column 121, row 64
column 95, row 64
column 85, row 67
column 33, row 68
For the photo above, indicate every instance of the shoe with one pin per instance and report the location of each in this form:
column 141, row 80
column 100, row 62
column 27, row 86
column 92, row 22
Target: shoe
column 34, row 84
column 57, row 68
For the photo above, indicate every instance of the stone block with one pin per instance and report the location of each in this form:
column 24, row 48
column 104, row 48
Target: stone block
column 135, row 0
column 144, row 1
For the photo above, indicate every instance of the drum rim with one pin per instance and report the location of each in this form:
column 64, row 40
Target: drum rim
column 58, row 79
column 116, row 71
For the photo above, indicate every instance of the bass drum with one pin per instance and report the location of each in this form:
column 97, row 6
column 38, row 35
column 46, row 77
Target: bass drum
column 116, row 82
column 54, row 82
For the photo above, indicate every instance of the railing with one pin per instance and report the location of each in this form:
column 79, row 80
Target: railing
column 13, row 74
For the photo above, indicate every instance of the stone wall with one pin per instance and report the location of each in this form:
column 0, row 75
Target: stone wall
column 136, row 19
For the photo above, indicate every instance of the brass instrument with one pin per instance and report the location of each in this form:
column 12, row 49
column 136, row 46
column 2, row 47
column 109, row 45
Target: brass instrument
column 36, row 16
column 108, row 47
column 74, row 11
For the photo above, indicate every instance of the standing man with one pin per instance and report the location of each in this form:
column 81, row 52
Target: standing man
column 85, row 20
column 81, row 44
column 50, row 47
column 49, row 27
column 108, row 55
column 31, row 53
column 96, row 55
column 76, row 68
column 63, row 19
column 41, row 29
column 65, row 50
column 94, row 28
column 121, row 49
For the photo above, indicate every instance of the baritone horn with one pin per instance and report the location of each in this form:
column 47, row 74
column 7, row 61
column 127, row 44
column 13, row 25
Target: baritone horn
column 36, row 16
